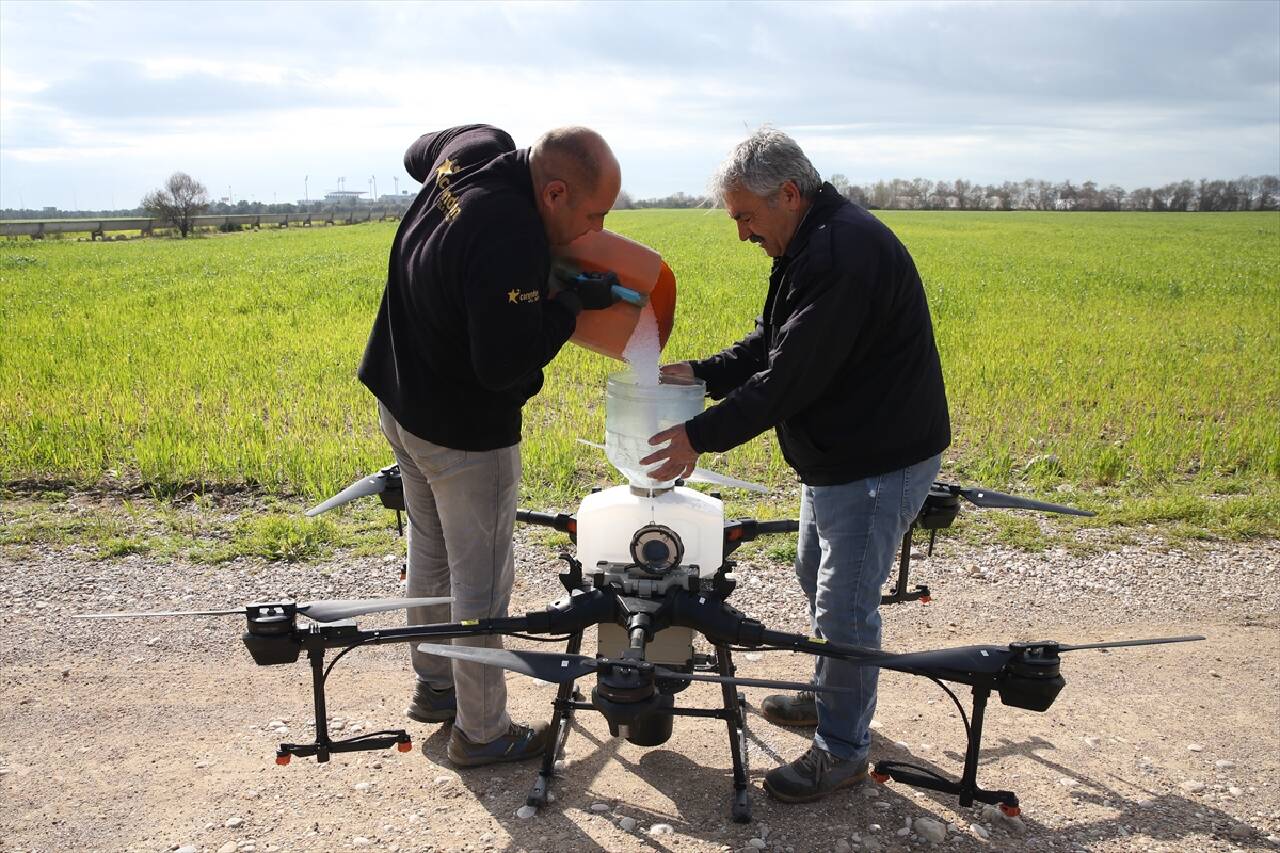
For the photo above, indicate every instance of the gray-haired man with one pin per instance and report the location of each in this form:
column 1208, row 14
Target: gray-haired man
column 842, row 363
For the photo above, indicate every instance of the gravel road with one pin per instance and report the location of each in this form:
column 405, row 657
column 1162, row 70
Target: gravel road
column 160, row 735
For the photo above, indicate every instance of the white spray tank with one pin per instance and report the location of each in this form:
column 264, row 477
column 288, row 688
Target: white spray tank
column 650, row 534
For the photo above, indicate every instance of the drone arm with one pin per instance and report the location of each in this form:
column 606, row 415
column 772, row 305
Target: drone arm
column 558, row 521
column 723, row 625
column 569, row 615
column 746, row 529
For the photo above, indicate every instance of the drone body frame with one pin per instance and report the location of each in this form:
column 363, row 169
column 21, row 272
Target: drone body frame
column 646, row 613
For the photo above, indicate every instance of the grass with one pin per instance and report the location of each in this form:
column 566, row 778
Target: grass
column 1121, row 362
column 194, row 530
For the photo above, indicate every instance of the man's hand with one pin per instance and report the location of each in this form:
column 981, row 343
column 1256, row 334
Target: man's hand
column 590, row 291
column 678, row 458
column 678, row 369
column 595, row 289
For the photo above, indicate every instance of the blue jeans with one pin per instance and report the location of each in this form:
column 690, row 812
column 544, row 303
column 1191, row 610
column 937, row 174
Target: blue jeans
column 849, row 536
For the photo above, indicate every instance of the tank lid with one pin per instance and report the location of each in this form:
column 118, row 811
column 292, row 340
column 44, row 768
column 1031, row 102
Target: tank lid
column 641, row 492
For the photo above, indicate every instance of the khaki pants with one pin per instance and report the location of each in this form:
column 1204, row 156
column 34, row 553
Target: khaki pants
column 462, row 513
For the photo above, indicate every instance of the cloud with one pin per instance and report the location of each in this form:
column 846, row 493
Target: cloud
column 127, row 90
column 984, row 90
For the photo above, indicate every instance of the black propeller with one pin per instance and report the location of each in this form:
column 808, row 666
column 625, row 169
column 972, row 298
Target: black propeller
column 1066, row 647
column 544, row 666
column 991, row 659
column 560, row 668
column 374, row 484
column 988, row 499
column 331, row 610
column 987, row 660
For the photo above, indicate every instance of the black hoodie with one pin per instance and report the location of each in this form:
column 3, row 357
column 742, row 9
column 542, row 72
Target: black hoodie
column 465, row 326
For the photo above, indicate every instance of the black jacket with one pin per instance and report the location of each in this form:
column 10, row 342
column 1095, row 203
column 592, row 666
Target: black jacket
column 465, row 326
column 842, row 362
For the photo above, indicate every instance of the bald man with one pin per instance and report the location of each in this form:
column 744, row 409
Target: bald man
column 465, row 327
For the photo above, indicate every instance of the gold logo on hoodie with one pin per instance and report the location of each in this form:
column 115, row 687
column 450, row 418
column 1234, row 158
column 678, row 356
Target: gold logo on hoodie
column 446, row 201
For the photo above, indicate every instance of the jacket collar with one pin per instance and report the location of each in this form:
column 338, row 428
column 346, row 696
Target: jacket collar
column 820, row 210
column 524, row 173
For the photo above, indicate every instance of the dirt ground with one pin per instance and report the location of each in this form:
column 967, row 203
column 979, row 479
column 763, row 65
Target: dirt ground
column 160, row 735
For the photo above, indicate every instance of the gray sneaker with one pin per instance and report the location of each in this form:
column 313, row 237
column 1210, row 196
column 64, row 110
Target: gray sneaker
column 518, row 744
column 432, row 706
column 812, row 776
column 785, row 710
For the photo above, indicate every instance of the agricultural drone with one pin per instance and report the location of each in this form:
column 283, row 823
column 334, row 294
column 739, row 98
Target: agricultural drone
column 652, row 568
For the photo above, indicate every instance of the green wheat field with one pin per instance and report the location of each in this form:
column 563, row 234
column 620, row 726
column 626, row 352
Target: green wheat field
column 1128, row 363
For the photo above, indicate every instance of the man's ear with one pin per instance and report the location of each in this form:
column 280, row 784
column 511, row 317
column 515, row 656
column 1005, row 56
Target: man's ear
column 554, row 193
column 790, row 194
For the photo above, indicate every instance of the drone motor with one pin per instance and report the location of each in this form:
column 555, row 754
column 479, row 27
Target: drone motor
column 1035, row 677
column 632, row 705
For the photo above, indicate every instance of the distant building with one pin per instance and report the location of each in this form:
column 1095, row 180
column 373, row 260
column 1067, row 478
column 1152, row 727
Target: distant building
column 342, row 197
column 403, row 199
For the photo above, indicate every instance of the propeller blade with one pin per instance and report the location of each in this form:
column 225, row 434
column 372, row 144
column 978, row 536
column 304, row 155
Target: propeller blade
column 978, row 659
column 345, row 608
column 365, row 486
column 702, row 475
column 663, row 672
column 239, row 610
column 321, row 611
column 1064, row 647
column 991, row 659
column 988, row 499
column 546, row 666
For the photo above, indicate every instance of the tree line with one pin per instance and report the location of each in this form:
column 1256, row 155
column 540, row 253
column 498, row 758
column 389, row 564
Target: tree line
column 1261, row 192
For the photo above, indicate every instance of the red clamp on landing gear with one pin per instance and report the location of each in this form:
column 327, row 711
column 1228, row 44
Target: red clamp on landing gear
column 880, row 778
column 282, row 758
column 404, row 745
column 925, row 599
column 1009, row 811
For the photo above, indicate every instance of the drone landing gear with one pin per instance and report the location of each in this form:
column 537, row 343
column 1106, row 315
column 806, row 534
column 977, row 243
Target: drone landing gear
column 568, row 700
column 323, row 747
column 735, row 705
column 899, row 592
column 967, row 788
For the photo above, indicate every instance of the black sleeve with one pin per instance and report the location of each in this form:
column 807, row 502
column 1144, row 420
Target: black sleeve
column 469, row 142
column 807, row 352
column 729, row 368
column 512, row 327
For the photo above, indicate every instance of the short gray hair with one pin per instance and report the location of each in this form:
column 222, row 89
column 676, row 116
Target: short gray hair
column 762, row 163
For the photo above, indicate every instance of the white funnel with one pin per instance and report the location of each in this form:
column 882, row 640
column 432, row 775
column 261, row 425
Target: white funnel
column 635, row 411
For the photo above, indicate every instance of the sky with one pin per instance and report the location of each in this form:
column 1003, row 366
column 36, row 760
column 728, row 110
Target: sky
column 101, row 101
